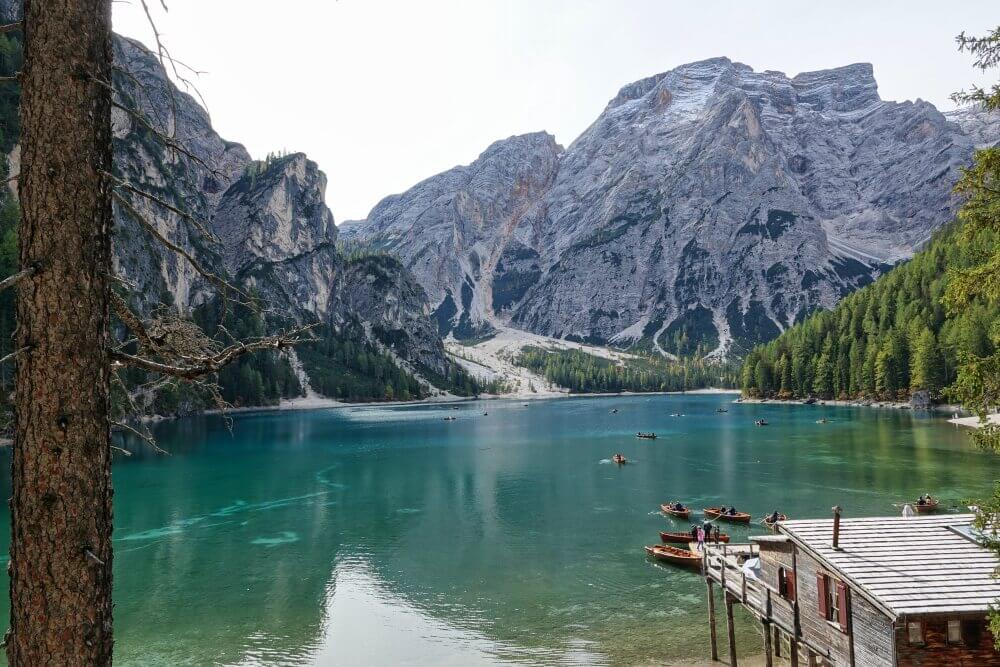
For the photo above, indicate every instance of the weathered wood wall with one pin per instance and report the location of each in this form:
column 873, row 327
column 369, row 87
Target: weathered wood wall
column 976, row 648
column 873, row 631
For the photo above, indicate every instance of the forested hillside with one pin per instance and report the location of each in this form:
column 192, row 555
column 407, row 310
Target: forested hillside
column 884, row 341
column 584, row 373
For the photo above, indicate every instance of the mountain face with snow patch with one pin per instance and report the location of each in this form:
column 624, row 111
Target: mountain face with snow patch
column 706, row 209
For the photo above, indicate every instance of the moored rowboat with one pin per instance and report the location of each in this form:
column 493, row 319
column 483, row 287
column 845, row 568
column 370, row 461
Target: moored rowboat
column 716, row 513
column 679, row 513
column 928, row 506
column 674, row 555
column 685, row 538
column 770, row 524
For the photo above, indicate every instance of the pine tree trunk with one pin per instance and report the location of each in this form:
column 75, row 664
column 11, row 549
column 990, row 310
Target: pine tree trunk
column 60, row 557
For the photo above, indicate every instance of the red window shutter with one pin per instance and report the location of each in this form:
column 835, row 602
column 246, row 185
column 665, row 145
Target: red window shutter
column 821, row 593
column 842, row 605
column 790, row 585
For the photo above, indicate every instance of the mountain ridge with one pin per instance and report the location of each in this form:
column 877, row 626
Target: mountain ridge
column 710, row 204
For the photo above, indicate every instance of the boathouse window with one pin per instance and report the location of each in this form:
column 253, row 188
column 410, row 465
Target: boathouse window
column 832, row 595
column 915, row 633
column 972, row 632
column 954, row 631
column 786, row 584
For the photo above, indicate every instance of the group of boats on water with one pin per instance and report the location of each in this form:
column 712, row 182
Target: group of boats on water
column 695, row 538
column 707, row 533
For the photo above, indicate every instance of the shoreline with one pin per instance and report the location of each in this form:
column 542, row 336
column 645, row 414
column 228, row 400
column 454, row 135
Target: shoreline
column 320, row 403
column 891, row 405
column 960, row 416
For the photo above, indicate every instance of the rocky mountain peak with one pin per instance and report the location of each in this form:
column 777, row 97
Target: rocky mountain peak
column 274, row 212
column 708, row 205
column 841, row 89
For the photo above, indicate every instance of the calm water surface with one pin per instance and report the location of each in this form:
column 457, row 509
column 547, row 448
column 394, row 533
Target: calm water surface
column 390, row 536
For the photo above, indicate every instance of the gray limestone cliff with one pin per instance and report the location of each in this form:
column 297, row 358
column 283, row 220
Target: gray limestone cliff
column 707, row 206
column 263, row 225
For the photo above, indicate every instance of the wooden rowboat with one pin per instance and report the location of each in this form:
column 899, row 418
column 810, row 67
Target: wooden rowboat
column 619, row 459
column 646, row 436
column 770, row 524
column 716, row 513
column 685, row 538
column 927, row 507
column 680, row 514
column 674, row 555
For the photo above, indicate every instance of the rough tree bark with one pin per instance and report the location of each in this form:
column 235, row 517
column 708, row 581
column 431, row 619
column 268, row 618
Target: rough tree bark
column 60, row 564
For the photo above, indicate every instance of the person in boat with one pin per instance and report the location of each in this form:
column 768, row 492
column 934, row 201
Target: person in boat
column 774, row 517
column 678, row 507
column 731, row 511
column 922, row 500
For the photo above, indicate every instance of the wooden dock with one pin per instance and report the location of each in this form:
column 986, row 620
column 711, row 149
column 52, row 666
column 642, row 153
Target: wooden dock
column 722, row 565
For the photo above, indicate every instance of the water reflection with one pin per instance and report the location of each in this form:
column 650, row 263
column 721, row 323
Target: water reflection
column 385, row 535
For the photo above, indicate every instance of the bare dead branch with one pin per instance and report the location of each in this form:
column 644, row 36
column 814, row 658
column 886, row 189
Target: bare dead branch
column 213, row 363
column 11, row 27
column 145, row 437
column 151, row 228
column 16, row 78
column 4, row 359
column 131, row 320
column 165, row 56
column 165, row 204
column 10, row 281
column 171, row 143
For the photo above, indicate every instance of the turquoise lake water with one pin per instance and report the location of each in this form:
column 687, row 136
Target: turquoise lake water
column 371, row 536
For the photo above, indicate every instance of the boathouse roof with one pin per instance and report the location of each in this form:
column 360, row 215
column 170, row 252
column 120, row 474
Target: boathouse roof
column 906, row 566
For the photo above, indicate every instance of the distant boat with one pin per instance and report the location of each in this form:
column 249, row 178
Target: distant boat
column 760, row 422
column 485, row 414
column 619, row 459
column 721, row 410
column 671, row 509
column 615, row 411
column 824, row 420
column 809, row 401
column 450, row 418
column 646, row 436
column 716, row 513
column 771, row 524
column 668, row 554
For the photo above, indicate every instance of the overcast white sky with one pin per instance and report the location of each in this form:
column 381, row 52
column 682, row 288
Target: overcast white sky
column 384, row 93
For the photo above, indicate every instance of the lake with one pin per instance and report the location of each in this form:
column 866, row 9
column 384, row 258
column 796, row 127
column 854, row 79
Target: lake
column 387, row 535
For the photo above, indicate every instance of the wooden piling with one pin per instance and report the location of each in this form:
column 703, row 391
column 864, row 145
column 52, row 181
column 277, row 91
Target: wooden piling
column 731, row 630
column 711, row 621
column 768, row 661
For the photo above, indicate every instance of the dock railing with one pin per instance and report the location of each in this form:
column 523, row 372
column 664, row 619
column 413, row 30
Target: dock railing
column 723, row 565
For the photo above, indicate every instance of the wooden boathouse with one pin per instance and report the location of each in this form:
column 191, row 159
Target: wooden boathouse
column 871, row 592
